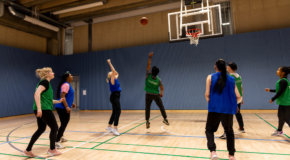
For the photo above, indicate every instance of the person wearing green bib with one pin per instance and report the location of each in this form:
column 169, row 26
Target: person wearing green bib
column 282, row 98
column 231, row 68
column 152, row 84
column 42, row 107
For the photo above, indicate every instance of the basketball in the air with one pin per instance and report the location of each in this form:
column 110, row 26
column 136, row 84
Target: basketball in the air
column 144, row 20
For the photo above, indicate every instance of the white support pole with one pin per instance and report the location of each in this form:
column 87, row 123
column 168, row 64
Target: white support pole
column 211, row 20
column 202, row 29
column 220, row 11
column 208, row 17
column 181, row 18
column 169, row 28
column 177, row 29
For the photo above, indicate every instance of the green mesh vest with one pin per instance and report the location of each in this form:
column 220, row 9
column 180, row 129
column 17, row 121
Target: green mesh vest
column 238, row 82
column 151, row 85
column 284, row 99
column 46, row 99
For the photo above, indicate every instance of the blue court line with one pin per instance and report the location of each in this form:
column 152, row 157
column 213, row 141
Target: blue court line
column 182, row 136
column 20, row 139
column 86, row 131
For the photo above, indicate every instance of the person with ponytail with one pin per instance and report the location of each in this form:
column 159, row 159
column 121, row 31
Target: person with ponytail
column 114, row 99
column 282, row 98
column 65, row 91
column 222, row 96
column 43, row 106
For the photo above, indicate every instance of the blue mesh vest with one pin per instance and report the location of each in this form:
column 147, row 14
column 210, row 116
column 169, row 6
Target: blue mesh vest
column 115, row 87
column 226, row 102
column 69, row 97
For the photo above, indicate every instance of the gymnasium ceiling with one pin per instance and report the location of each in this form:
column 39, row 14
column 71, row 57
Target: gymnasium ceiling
column 46, row 7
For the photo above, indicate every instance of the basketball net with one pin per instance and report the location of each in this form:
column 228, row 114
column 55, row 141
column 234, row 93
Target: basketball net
column 193, row 35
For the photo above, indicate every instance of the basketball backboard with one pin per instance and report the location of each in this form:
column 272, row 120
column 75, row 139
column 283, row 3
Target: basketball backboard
column 204, row 16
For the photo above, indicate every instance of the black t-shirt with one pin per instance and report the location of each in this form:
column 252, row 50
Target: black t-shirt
column 45, row 84
column 283, row 84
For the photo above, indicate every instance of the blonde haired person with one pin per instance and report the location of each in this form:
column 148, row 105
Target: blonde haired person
column 43, row 103
column 114, row 99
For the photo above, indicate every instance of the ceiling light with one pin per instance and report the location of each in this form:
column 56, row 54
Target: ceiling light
column 86, row 6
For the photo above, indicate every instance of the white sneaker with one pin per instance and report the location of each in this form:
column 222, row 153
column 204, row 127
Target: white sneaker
column 109, row 129
column 277, row 133
column 115, row 131
column 58, row 145
column 62, row 139
column 214, row 156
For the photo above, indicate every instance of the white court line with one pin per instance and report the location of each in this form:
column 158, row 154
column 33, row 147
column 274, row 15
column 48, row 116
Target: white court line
column 103, row 117
column 190, row 135
column 95, row 138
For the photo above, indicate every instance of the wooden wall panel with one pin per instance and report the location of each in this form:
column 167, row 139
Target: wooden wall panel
column 80, row 39
column 129, row 32
column 258, row 15
column 18, row 39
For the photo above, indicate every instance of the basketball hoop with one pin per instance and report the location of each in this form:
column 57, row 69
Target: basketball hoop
column 193, row 35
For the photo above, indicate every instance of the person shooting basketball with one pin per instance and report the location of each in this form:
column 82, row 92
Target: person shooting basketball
column 152, row 84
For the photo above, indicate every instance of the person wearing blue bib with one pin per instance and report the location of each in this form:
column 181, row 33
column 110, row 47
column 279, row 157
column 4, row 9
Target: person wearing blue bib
column 114, row 99
column 64, row 90
column 222, row 96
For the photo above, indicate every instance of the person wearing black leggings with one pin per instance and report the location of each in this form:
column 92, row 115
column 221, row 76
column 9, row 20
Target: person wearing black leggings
column 152, row 84
column 43, row 103
column 222, row 96
column 65, row 91
column 282, row 98
column 114, row 99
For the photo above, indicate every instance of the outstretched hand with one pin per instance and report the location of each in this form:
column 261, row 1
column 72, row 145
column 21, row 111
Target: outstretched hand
column 151, row 55
column 267, row 89
column 109, row 61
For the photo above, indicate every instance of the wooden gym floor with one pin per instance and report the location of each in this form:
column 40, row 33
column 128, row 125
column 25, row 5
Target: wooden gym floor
column 183, row 139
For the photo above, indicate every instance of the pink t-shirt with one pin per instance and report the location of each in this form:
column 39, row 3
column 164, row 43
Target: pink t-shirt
column 65, row 88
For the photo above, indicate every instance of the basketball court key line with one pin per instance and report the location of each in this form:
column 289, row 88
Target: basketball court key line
column 123, row 132
column 100, row 136
column 190, row 135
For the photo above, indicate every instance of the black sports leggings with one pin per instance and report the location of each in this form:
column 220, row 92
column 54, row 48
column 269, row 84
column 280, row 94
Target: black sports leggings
column 64, row 119
column 148, row 100
column 212, row 124
column 238, row 116
column 115, row 100
column 47, row 118
column 284, row 116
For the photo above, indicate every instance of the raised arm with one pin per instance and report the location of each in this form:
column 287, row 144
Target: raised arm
column 207, row 88
column 149, row 61
column 114, row 72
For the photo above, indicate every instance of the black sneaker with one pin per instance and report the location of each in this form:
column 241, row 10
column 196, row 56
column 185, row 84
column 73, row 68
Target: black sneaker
column 147, row 124
column 224, row 136
column 166, row 121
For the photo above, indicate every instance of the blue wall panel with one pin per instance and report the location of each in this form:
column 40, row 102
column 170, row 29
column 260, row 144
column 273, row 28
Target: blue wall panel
column 18, row 79
column 183, row 70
